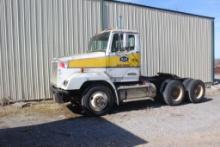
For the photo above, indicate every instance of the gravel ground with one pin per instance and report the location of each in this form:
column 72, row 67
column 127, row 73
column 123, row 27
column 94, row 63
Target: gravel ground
column 143, row 123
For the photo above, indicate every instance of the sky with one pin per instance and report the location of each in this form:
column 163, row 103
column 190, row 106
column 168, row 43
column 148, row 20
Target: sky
column 200, row 7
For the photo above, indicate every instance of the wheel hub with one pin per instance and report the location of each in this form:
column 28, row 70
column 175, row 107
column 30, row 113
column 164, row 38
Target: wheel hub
column 98, row 101
column 177, row 93
column 198, row 91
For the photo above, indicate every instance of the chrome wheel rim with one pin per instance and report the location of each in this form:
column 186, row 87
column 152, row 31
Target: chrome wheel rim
column 198, row 92
column 177, row 93
column 98, row 101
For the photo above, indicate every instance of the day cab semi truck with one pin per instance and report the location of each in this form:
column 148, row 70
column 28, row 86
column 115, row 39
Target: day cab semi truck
column 110, row 74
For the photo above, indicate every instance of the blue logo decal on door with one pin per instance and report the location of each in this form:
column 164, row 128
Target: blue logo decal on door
column 124, row 59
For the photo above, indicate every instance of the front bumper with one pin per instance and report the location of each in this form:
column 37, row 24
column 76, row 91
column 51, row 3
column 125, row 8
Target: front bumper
column 60, row 95
column 54, row 89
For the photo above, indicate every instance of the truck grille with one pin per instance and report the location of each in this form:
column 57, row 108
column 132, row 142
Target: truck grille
column 53, row 74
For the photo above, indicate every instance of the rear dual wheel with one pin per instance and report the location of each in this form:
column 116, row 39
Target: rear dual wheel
column 174, row 93
column 195, row 90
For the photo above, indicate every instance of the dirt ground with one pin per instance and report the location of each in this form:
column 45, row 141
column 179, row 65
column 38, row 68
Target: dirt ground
column 143, row 123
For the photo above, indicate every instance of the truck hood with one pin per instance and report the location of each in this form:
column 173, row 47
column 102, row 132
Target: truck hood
column 89, row 60
column 82, row 56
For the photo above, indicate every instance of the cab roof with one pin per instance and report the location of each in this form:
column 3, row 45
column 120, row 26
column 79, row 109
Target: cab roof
column 119, row 30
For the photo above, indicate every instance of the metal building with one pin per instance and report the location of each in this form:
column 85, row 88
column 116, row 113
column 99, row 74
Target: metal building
column 32, row 32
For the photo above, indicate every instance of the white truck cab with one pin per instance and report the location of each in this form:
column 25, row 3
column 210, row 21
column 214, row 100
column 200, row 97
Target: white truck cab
column 109, row 73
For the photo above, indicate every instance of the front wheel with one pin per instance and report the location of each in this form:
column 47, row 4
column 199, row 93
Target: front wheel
column 97, row 100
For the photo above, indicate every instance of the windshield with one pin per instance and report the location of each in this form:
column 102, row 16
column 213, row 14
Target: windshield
column 99, row 42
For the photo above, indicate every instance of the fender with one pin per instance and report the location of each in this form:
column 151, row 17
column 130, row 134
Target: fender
column 76, row 80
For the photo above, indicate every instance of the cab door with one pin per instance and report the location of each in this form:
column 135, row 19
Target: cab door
column 123, row 61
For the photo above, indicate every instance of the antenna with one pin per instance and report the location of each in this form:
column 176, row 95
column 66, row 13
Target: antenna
column 119, row 23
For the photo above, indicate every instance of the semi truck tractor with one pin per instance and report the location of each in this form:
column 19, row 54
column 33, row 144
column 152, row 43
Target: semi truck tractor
column 109, row 74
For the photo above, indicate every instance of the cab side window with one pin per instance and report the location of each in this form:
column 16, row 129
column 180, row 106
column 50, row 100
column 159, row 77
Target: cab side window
column 131, row 42
column 117, row 42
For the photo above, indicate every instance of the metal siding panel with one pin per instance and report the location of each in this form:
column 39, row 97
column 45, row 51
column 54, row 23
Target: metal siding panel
column 45, row 47
column 9, row 53
column 1, row 47
column 3, row 44
column 22, row 47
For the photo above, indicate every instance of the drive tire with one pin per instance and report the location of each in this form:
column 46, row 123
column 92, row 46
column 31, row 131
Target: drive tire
column 174, row 93
column 97, row 95
column 196, row 91
column 159, row 97
column 186, row 82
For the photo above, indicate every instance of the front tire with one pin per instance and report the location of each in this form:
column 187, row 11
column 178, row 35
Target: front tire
column 97, row 100
column 174, row 93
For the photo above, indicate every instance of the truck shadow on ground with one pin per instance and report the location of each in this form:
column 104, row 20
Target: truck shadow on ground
column 80, row 131
column 136, row 105
column 149, row 104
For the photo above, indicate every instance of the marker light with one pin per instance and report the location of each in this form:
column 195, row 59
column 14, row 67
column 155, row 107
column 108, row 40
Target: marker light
column 62, row 64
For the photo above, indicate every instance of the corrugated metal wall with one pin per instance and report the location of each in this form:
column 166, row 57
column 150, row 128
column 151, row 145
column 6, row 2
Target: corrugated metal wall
column 32, row 32
column 171, row 42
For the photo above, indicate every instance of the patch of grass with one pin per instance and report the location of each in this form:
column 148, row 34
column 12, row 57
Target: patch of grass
column 46, row 108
